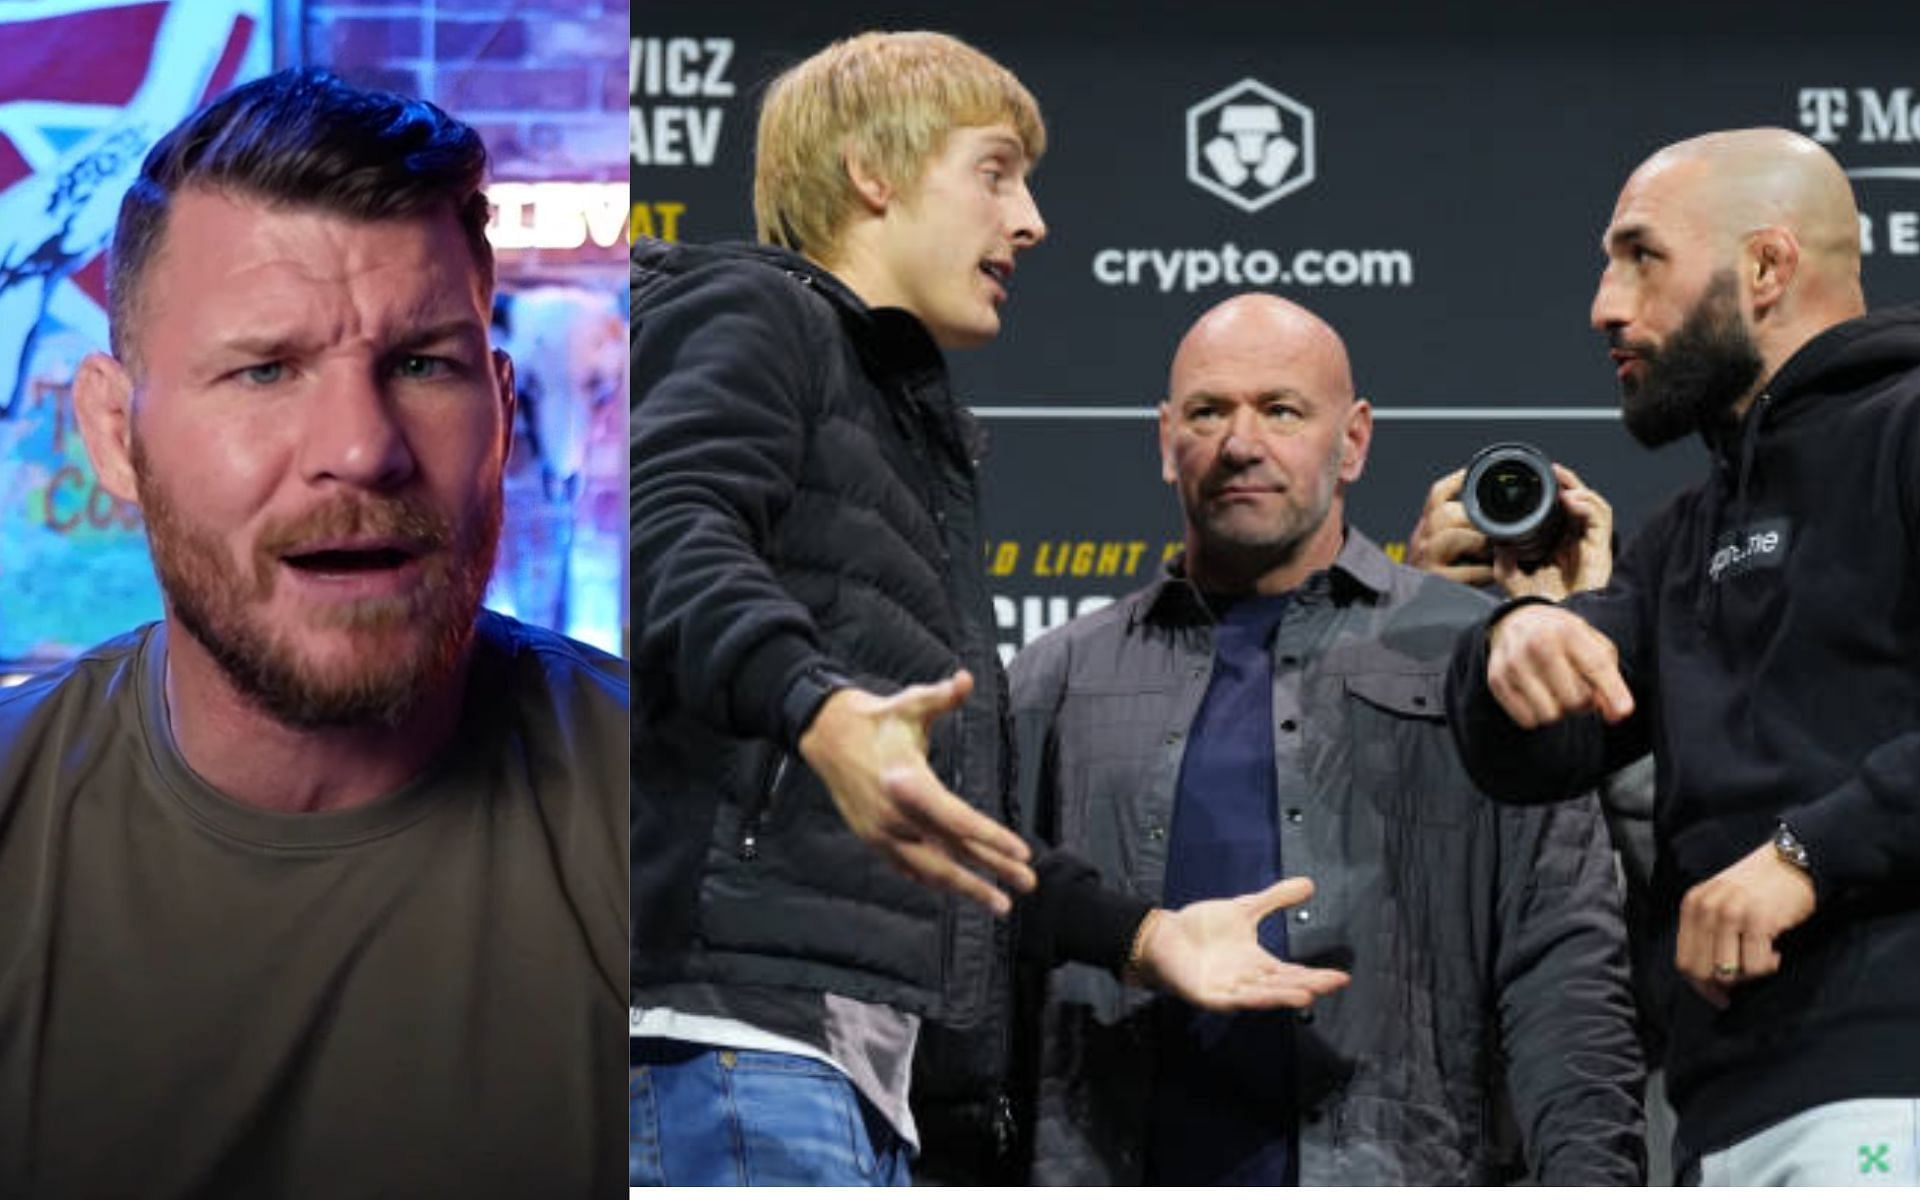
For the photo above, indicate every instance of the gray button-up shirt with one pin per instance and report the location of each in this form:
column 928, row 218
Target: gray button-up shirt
column 1485, row 942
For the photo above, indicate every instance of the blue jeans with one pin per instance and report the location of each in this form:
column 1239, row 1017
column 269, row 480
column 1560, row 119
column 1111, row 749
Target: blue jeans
column 704, row 1117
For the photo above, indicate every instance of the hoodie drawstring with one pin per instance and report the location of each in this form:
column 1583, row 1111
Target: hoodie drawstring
column 1749, row 444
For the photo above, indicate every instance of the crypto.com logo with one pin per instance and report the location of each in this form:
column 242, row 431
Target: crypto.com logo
column 1250, row 145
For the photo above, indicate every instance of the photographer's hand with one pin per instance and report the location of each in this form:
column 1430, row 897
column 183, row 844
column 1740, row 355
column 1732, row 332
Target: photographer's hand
column 1445, row 541
column 1583, row 561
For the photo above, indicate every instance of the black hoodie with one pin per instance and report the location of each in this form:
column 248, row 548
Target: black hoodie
column 1768, row 623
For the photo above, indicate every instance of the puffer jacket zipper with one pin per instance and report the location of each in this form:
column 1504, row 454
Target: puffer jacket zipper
column 756, row 815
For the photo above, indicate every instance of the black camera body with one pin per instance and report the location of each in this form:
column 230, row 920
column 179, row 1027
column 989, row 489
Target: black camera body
column 1511, row 495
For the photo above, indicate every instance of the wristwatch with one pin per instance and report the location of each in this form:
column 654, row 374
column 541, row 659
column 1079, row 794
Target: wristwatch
column 1790, row 849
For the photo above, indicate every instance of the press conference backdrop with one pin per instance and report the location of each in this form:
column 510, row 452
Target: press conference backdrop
column 1435, row 190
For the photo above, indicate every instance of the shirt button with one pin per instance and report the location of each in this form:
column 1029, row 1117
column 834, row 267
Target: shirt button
column 1173, row 739
column 1419, row 701
column 1289, row 660
column 1157, row 832
column 1295, row 816
column 1301, row 916
column 1289, row 724
column 1306, row 1016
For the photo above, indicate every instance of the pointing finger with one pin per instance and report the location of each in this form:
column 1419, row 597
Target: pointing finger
column 1611, row 694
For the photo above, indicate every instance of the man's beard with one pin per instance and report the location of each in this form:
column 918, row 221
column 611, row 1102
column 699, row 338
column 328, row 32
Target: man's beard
column 1247, row 554
column 217, row 601
column 1694, row 380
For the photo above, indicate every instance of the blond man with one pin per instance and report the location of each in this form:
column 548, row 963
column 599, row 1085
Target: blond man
column 820, row 771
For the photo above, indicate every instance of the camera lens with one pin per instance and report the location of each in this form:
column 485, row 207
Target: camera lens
column 1511, row 496
column 1509, row 491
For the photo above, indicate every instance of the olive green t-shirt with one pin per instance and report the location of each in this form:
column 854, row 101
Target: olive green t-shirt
column 421, row 997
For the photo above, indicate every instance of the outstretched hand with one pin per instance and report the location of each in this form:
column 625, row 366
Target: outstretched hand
column 1209, row 954
column 871, row 752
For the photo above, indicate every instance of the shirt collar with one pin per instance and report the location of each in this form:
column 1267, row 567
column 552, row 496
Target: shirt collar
column 1361, row 570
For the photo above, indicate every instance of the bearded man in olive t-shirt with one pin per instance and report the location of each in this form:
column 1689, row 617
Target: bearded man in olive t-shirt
column 317, row 887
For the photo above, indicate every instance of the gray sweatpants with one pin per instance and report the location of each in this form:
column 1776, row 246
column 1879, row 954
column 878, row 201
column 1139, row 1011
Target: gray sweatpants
column 1861, row 1143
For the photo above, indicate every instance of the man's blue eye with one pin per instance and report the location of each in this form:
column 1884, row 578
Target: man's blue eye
column 420, row 366
column 265, row 373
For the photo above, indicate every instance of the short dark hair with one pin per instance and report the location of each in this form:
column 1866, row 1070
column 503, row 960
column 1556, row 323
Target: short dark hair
column 303, row 139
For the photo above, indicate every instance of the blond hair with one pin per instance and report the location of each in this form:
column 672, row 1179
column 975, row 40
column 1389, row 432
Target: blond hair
column 884, row 100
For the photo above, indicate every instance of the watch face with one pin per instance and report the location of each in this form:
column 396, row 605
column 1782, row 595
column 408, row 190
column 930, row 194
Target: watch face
column 1789, row 847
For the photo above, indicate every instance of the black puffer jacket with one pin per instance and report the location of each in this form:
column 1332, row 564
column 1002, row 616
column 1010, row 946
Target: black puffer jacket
column 803, row 501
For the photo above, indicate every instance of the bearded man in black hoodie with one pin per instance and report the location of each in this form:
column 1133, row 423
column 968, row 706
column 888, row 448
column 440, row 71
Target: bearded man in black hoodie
column 1762, row 637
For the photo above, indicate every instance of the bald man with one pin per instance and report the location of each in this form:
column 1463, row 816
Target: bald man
column 1761, row 636
column 1269, row 708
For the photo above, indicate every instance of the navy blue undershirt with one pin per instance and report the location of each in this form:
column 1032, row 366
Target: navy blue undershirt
column 1222, row 1110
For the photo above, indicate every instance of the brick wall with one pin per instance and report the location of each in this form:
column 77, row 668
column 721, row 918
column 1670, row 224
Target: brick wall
column 545, row 81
